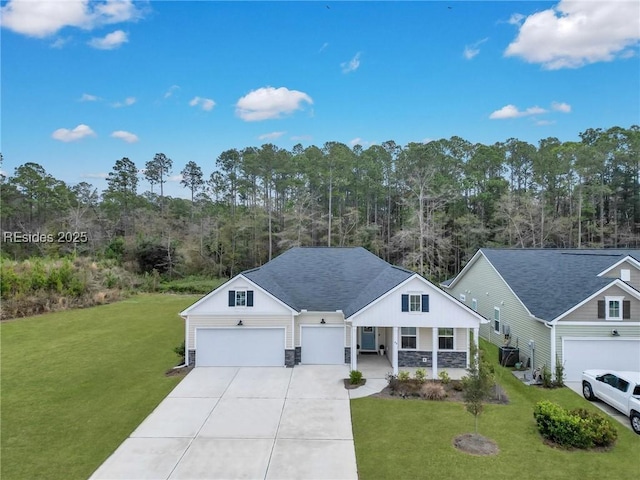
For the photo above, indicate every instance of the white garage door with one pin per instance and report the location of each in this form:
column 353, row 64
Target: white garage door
column 239, row 347
column 323, row 345
column 614, row 354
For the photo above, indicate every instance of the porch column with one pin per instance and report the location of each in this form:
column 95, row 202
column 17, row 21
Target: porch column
column 394, row 350
column 354, row 349
column 434, row 352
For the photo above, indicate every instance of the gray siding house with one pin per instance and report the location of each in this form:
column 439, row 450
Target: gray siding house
column 578, row 307
column 328, row 306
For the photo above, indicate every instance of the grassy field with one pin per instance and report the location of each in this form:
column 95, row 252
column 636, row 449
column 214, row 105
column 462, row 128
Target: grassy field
column 76, row 383
column 413, row 439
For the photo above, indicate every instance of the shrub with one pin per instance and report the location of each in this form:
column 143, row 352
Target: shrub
column 545, row 375
column 421, row 375
column 355, row 377
column 444, row 377
column 393, row 382
column 180, row 350
column 559, row 380
column 433, row 391
column 577, row 428
column 403, row 376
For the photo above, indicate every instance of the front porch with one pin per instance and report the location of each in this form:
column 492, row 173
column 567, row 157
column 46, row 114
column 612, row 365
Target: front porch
column 408, row 349
column 379, row 366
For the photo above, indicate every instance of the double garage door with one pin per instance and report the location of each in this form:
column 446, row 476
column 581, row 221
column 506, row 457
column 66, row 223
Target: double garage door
column 585, row 354
column 264, row 347
column 240, row 347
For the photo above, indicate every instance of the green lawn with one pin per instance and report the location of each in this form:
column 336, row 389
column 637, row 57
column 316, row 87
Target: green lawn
column 76, row 383
column 413, row 439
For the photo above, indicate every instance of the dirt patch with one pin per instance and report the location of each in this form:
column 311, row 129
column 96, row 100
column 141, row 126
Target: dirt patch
column 453, row 390
column 350, row 386
column 475, row 444
column 178, row 371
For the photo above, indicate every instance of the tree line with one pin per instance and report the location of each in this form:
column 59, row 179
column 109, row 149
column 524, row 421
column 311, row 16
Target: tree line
column 427, row 206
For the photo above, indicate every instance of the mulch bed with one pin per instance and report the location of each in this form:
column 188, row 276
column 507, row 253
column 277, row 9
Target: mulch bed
column 350, row 386
column 175, row 372
column 453, row 389
column 475, row 444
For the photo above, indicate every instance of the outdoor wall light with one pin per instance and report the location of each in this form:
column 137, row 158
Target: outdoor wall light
column 615, row 333
column 322, row 321
column 239, row 323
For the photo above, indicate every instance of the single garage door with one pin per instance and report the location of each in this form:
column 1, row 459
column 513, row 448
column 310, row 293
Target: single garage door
column 614, row 354
column 239, row 347
column 322, row 345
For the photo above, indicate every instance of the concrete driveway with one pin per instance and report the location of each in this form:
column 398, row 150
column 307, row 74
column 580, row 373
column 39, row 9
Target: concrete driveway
column 244, row 423
column 612, row 412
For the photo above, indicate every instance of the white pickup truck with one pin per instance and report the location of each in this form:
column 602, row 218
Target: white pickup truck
column 621, row 390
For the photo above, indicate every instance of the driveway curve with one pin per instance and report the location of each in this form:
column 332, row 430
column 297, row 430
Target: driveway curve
column 244, row 423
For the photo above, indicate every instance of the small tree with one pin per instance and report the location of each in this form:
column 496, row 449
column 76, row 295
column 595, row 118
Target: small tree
column 477, row 384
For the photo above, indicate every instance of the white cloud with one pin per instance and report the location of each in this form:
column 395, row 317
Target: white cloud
column 511, row 111
column 305, row 138
column 94, row 175
column 66, row 135
column 352, row 65
column 205, row 103
column 516, row 19
column 126, row 136
column 88, row 98
column 573, row 34
column 472, row 50
column 271, row 136
column 111, row 41
column 323, row 47
column 126, row 103
column 172, row 89
column 42, row 18
column 268, row 102
column 561, row 107
column 60, row 42
column 175, row 178
column 542, row 123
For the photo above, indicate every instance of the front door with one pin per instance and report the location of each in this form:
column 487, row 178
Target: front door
column 368, row 338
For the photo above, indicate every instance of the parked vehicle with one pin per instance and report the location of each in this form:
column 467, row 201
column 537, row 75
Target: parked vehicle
column 621, row 390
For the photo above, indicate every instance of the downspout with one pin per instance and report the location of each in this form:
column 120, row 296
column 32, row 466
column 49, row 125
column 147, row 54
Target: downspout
column 552, row 327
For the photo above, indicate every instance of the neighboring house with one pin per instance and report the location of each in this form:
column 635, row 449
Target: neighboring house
column 326, row 306
column 578, row 307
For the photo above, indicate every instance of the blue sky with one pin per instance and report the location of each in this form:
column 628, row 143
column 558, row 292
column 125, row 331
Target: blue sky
column 87, row 83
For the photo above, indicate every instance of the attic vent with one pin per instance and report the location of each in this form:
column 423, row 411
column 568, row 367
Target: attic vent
column 625, row 274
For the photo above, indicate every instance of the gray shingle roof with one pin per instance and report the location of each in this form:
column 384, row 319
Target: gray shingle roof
column 327, row 279
column 551, row 281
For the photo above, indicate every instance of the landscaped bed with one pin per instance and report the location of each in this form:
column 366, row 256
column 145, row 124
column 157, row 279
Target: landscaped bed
column 75, row 384
column 415, row 438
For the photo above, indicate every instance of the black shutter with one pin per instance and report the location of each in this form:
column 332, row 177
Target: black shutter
column 249, row 298
column 626, row 309
column 425, row 303
column 232, row 298
column 601, row 309
column 405, row 303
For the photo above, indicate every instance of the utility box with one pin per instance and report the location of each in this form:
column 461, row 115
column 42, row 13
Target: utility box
column 508, row 356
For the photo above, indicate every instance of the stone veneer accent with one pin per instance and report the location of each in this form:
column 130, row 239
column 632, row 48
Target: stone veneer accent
column 412, row 358
column 347, row 355
column 298, row 357
column 452, row 359
column 192, row 357
column 289, row 357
